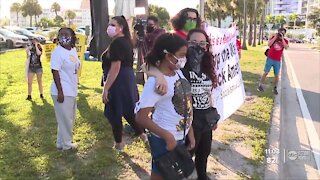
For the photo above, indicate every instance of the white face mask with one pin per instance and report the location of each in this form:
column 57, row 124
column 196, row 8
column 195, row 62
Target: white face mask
column 111, row 31
column 181, row 62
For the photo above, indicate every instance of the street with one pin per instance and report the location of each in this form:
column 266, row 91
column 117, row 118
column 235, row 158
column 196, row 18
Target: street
column 300, row 118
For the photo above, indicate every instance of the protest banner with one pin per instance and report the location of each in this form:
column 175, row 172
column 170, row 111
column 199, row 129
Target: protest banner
column 80, row 46
column 47, row 50
column 229, row 94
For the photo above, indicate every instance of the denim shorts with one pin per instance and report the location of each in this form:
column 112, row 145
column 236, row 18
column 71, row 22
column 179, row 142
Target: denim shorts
column 158, row 149
column 272, row 63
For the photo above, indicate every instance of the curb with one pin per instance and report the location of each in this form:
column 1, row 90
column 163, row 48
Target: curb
column 10, row 50
column 272, row 152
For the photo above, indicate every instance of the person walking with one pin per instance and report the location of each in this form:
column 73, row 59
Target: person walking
column 201, row 73
column 64, row 88
column 120, row 92
column 277, row 44
column 166, row 125
column 34, row 52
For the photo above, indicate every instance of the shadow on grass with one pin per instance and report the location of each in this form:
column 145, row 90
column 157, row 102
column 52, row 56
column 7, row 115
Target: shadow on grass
column 140, row 171
column 251, row 82
column 97, row 90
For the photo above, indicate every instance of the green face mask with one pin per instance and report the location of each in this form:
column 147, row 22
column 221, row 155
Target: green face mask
column 189, row 25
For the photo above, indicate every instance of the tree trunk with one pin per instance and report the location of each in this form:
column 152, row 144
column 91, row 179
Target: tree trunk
column 244, row 44
column 261, row 26
column 17, row 18
column 30, row 20
column 250, row 32
column 219, row 21
column 56, row 12
column 255, row 24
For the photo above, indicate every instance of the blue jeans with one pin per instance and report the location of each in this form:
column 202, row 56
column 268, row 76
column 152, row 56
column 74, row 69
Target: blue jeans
column 272, row 63
column 158, row 149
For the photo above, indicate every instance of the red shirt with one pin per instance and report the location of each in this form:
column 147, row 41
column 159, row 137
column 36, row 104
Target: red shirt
column 276, row 50
column 181, row 34
column 238, row 43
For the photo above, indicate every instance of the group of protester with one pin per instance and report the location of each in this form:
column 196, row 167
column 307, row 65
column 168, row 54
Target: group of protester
column 180, row 70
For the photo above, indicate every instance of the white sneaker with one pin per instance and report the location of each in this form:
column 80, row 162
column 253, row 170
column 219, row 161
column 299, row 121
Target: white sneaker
column 71, row 147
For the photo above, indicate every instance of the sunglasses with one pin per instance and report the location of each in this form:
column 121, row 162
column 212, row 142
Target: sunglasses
column 202, row 44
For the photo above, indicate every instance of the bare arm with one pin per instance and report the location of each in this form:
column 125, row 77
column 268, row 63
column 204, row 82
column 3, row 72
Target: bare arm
column 285, row 45
column 144, row 120
column 161, row 83
column 271, row 40
column 111, row 77
column 56, row 78
column 37, row 49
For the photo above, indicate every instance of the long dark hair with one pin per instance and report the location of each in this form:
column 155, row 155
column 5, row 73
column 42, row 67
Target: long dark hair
column 167, row 41
column 180, row 19
column 121, row 20
column 208, row 65
column 73, row 36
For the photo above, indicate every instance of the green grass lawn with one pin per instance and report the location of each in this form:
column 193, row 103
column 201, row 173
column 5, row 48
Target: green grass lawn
column 28, row 129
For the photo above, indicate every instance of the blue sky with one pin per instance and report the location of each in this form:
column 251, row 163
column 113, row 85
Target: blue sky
column 173, row 6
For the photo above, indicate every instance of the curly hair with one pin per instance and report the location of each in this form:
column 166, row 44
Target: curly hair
column 208, row 64
column 180, row 19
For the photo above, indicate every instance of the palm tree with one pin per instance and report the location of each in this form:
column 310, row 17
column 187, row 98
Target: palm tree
column 55, row 7
column 280, row 20
column 244, row 44
column 37, row 12
column 70, row 15
column 16, row 7
column 293, row 17
column 218, row 9
column 30, row 8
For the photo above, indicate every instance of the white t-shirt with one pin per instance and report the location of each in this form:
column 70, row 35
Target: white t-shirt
column 67, row 63
column 169, row 108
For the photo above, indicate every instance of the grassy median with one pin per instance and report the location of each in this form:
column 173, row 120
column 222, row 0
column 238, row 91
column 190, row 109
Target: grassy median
column 28, row 129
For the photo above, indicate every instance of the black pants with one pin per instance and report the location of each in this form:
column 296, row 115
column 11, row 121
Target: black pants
column 202, row 149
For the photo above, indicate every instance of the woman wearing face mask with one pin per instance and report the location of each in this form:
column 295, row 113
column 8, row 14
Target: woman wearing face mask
column 120, row 91
column 166, row 125
column 200, row 71
column 64, row 88
column 186, row 20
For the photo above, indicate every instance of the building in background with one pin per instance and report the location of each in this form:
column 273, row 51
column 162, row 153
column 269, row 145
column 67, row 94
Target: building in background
column 83, row 16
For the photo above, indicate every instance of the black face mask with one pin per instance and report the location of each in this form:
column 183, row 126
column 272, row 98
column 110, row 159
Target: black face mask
column 194, row 56
column 150, row 29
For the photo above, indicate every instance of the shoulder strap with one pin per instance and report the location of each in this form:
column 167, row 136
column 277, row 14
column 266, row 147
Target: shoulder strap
column 185, row 108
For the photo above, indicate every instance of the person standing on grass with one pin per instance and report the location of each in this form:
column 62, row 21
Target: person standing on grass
column 120, row 92
column 201, row 73
column 277, row 44
column 166, row 124
column 34, row 52
column 64, row 88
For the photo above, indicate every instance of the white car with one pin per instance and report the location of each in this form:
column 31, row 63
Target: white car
column 14, row 40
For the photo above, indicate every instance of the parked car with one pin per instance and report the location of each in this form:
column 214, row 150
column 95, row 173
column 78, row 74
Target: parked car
column 295, row 40
column 31, row 29
column 14, row 40
column 30, row 35
column 2, row 41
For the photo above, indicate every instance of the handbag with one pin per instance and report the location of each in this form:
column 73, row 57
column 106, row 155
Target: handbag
column 212, row 117
column 267, row 50
column 177, row 164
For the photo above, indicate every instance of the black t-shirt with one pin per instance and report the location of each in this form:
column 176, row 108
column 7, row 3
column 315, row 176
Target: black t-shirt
column 201, row 87
column 119, row 49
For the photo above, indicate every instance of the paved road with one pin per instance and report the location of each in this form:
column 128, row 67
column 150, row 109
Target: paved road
column 306, row 64
column 296, row 158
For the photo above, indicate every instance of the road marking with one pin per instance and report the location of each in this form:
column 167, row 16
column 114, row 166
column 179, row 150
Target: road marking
column 311, row 130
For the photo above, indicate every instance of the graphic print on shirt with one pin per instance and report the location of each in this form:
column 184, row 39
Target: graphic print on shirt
column 182, row 87
column 278, row 46
column 75, row 61
column 201, row 87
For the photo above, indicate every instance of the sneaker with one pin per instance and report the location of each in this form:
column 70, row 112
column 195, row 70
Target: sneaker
column 71, row 147
column 119, row 147
column 41, row 96
column 260, row 88
column 275, row 91
column 144, row 137
column 29, row 98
